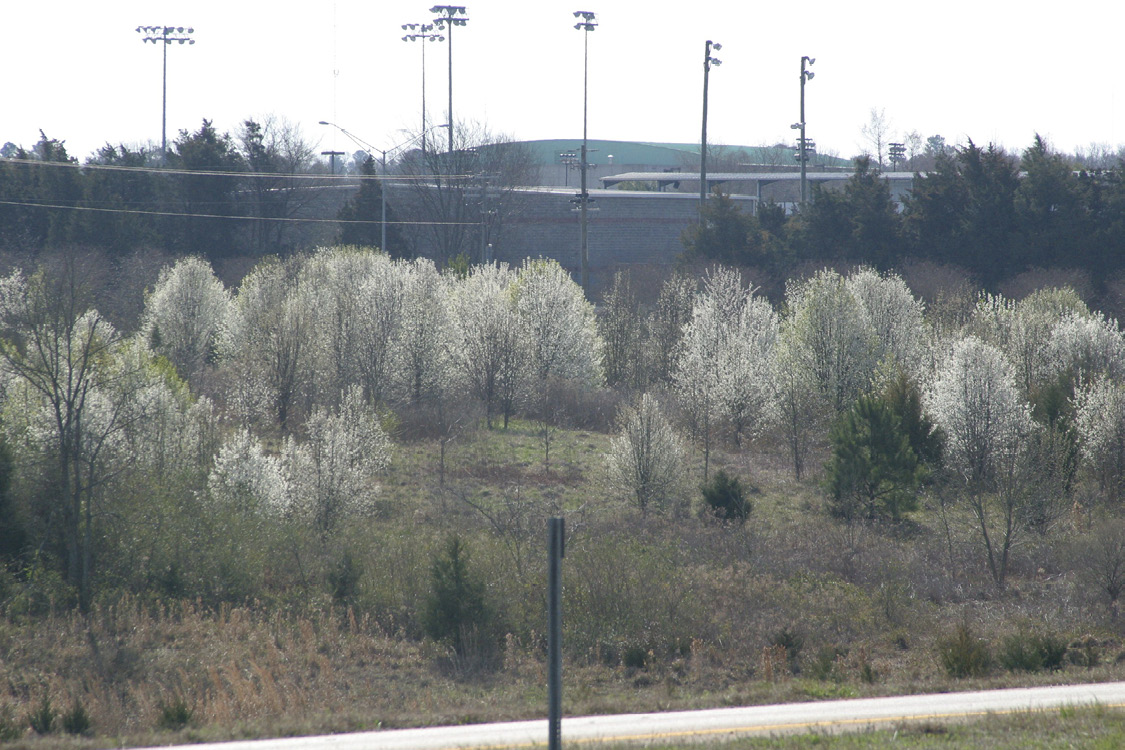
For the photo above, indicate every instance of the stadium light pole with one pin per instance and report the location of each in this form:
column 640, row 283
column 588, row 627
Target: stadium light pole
column 708, row 61
column 422, row 32
column 445, row 22
column 167, row 35
column 383, row 164
column 806, row 75
column 586, row 24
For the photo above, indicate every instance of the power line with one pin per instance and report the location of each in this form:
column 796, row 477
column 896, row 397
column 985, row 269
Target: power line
column 55, row 206
column 223, row 173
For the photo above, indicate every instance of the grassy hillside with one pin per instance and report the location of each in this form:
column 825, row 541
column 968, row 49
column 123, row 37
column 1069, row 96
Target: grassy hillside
column 665, row 610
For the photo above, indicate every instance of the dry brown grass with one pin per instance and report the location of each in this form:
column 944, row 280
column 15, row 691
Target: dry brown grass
column 701, row 604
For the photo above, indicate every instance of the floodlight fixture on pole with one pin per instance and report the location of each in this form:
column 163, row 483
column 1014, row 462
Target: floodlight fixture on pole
column 422, row 32
column 806, row 75
column 708, row 61
column 587, row 23
column 167, row 35
column 450, row 16
column 383, row 165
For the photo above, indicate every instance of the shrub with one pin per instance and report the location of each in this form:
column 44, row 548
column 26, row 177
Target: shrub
column 343, row 579
column 42, row 718
column 726, row 497
column 456, row 611
column 76, row 720
column 1018, row 653
column 635, row 657
column 10, row 729
column 792, row 642
column 1052, row 649
column 963, row 654
column 174, row 715
column 824, row 666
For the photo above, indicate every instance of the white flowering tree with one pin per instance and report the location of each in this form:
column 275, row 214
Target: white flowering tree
column 831, row 338
column 1100, row 419
column 490, row 346
column 1022, row 330
column 1086, row 347
column 377, row 323
column 331, row 286
column 58, row 351
column 894, row 316
column 332, row 473
column 267, row 345
column 245, row 479
column 184, row 315
column 725, row 370
column 800, row 408
column 562, row 332
column 646, row 459
column 976, row 401
column 424, row 364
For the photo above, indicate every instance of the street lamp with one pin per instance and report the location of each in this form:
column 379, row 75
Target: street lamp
column 806, row 75
column 422, row 31
column 445, row 22
column 167, row 35
column 383, row 162
column 586, row 24
column 708, row 61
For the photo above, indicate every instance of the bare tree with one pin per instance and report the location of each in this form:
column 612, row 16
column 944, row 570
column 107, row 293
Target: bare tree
column 459, row 201
column 876, row 132
column 276, row 154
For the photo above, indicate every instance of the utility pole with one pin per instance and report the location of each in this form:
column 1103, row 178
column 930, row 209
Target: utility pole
column 446, row 22
column 556, row 550
column 167, row 35
column 332, row 159
column 806, row 75
column 585, row 25
column 708, row 61
column 422, row 32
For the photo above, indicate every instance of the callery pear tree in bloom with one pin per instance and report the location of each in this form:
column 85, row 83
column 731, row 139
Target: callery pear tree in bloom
column 1100, row 419
column 247, row 480
column 267, row 345
column 975, row 400
column 490, row 346
column 895, row 318
column 831, row 337
column 1022, row 330
column 185, row 314
column 332, row 473
column 61, row 351
column 646, row 459
column 562, row 330
column 725, row 368
column 424, row 367
column 330, row 286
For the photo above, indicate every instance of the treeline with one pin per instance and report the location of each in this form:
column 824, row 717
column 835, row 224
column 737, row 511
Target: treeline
column 982, row 209
column 213, row 195
column 145, row 459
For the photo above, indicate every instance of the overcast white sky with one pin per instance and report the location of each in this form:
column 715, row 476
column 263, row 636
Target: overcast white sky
column 990, row 70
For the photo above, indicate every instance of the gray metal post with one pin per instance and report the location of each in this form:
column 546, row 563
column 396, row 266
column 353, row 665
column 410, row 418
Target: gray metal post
column 556, row 550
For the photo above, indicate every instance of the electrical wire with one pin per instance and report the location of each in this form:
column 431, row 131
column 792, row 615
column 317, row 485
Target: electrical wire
column 221, row 173
column 55, row 206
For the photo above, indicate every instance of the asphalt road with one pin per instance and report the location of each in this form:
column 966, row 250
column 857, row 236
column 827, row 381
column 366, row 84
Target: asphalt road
column 718, row 724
